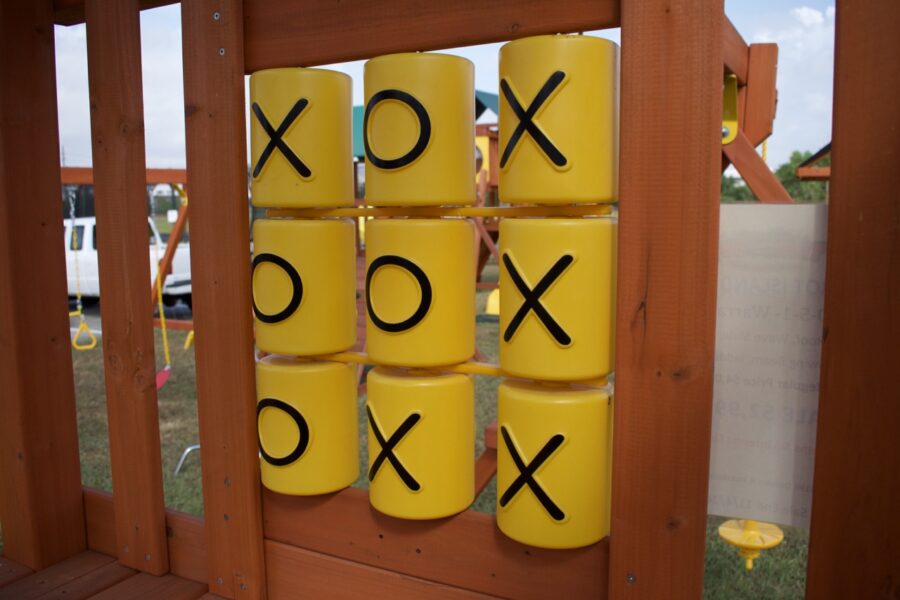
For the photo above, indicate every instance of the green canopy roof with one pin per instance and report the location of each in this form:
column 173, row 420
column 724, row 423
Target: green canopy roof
column 483, row 101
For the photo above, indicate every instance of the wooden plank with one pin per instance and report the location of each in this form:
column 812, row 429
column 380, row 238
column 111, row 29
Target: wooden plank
column 755, row 172
column 85, row 176
column 92, row 583
column 735, row 52
column 11, row 571
column 761, row 95
column 53, row 577
column 296, row 573
column 671, row 118
column 853, row 551
column 220, row 243
column 185, row 535
column 466, row 551
column 120, row 198
column 814, row 173
column 71, row 12
column 485, row 468
column 178, row 324
column 40, row 497
column 284, row 33
column 148, row 587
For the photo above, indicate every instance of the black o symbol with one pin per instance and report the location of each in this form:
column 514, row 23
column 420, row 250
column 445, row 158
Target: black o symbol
column 424, row 285
column 302, row 442
column 296, row 288
column 424, row 129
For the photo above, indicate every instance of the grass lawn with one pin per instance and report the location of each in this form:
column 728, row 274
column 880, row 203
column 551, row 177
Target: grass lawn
column 779, row 573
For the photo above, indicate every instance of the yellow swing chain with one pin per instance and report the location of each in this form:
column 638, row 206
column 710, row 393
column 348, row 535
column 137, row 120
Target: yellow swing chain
column 83, row 329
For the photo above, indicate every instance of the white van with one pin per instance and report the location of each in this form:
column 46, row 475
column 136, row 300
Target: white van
column 83, row 247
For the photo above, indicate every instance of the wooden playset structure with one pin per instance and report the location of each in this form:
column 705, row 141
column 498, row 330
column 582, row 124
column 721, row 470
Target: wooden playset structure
column 255, row 544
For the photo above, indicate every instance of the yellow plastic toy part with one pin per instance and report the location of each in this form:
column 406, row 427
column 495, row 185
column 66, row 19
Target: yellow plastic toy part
column 492, row 306
column 300, row 138
column 552, row 464
column 83, row 330
column 308, row 426
column 419, row 130
column 421, row 440
column 558, row 138
column 557, row 296
column 304, row 286
column 750, row 537
column 420, row 291
column 729, row 109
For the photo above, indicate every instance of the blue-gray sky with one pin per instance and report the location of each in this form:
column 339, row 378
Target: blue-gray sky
column 803, row 30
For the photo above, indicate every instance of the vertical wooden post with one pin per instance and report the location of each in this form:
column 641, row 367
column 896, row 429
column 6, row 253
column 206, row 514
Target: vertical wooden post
column 40, row 498
column 668, row 240
column 854, row 550
column 220, row 254
column 120, row 192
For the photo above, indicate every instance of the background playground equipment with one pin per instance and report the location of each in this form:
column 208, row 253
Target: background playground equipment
column 670, row 127
column 750, row 537
column 300, row 138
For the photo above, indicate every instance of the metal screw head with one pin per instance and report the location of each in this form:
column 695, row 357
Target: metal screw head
column 630, row 578
column 216, row 16
column 221, row 51
column 146, row 557
column 725, row 131
column 219, row 580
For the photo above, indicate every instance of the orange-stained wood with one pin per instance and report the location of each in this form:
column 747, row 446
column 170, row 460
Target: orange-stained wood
column 71, row 12
column 120, row 197
column 284, row 33
column 466, row 551
column 220, row 251
column 46, row 582
column 85, row 176
column 180, row 325
column 735, row 52
column 40, row 498
column 185, row 535
column 297, row 573
column 485, row 469
column 145, row 587
column 761, row 95
column 853, row 549
column 756, row 173
column 165, row 263
column 671, row 118
column 12, row 571
column 814, row 173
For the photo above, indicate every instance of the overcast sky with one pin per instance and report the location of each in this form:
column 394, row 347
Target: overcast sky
column 804, row 33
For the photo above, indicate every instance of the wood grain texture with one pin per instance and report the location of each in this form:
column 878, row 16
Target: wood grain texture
column 735, row 52
column 85, row 175
column 814, row 173
column 854, row 550
column 220, row 249
column 671, row 113
column 120, row 198
column 761, row 95
column 297, row 573
column 90, row 584
column 40, row 497
column 466, row 551
column 62, row 573
column 283, row 33
column 485, row 469
column 12, row 571
column 71, row 12
column 756, row 173
column 147, row 587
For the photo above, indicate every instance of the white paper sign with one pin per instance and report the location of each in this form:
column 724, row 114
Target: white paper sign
column 768, row 345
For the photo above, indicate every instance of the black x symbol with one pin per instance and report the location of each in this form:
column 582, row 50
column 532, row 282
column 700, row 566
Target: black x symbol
column 526, row 473
column 532, row 299
column 275, row 140
column 526, row 120
column 387, row 449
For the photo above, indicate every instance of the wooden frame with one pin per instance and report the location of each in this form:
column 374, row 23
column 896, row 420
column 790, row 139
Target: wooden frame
column 249, row 541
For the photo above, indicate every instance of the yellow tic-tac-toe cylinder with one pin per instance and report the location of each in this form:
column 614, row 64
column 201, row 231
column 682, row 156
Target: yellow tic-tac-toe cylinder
column 420, row 291
column 307, row 424
column 552, row 464
column 421, row 443
column 301, row 145
column 304, row 286
column 419, row 130
column 559, row 116
column 557, row 296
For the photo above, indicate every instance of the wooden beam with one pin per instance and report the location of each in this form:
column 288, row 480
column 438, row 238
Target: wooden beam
column 853, row 551
column 666, row 302
column 40, row 506
column 813, row 173
column 284, row 33
column 735, row 52
column 755, row 172
column 761, row 96
column 71, row 12
column 117, row 135
column 85, row 176
column 220, row 246
column 464, row 551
